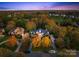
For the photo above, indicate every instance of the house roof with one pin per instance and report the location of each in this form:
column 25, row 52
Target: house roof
column 40, row 31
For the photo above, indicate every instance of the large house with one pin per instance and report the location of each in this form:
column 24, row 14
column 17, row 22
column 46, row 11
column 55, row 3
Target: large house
column 40, row 32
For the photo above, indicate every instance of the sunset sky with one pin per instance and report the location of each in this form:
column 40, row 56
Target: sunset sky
column 39, row 5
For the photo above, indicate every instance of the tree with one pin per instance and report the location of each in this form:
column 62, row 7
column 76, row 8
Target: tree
column 69, row 28
column 40, row 22
column 36, row 41
column 59, row 43
column 20, row 23
column 28, row 16
column 51, row 25
column 62, row 32
column 30, row 25
column 12, row 41
column 74, row 37
column 10, row 24
column 5, row 18
column 46, row 42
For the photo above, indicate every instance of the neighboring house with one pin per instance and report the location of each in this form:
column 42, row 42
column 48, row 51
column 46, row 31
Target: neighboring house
column 17, row 31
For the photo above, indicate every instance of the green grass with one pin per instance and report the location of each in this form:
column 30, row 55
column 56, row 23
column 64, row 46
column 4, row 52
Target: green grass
column 42, row 49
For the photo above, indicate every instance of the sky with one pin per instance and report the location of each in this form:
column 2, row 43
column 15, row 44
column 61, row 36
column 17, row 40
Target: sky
column 39, row 5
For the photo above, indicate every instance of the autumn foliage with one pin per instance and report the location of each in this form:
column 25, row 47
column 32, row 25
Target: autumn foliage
column 12, row 41
column 10, row 24
column 36, row 41
column 59, row 42
column 46, row 42
column 30, row 25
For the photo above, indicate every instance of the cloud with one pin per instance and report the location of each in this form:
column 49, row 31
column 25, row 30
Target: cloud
column 63, row 7
column 4, row 8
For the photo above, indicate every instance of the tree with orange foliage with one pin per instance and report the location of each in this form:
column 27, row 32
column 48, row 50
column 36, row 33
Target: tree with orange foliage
column 12, row 41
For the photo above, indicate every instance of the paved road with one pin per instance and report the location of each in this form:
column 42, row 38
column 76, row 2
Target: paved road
column 40, row 54
column 43, row 54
